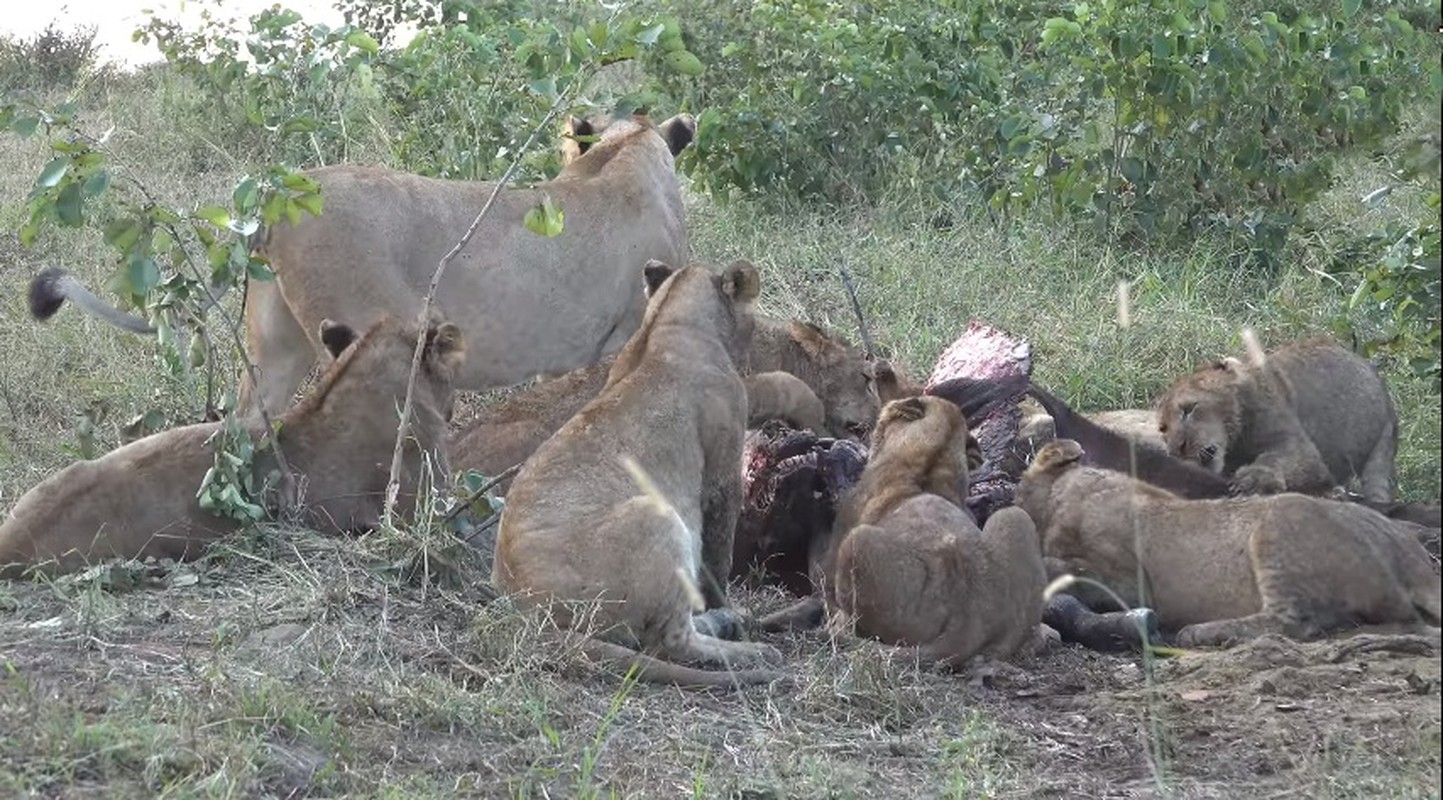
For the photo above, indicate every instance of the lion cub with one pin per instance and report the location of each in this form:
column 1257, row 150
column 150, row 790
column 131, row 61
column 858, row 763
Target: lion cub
column 912, row 567
column 1307, row 419
column 578, row 529
column 1219, row 571
column 140, row 500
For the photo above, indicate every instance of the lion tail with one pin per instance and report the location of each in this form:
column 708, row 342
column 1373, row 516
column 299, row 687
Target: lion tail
column 52, row 287
column 650, row 668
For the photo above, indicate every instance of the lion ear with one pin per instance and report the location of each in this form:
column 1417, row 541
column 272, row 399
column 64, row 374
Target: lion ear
column 741, row 282
column 812, row 339
column 337, row 337
column 679, row 131
column 1228, row 364
column 1060, row 452
column 655, row 274
column 447, row 345
column 909, row 409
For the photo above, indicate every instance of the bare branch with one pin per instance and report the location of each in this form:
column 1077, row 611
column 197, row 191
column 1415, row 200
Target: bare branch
column 867, row 344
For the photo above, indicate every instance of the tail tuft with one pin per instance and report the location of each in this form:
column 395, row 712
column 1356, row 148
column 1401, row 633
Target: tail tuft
column 46, row 296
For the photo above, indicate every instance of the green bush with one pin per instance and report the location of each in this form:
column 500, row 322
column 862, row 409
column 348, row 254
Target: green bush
column 51, row 58
column 1153, row 119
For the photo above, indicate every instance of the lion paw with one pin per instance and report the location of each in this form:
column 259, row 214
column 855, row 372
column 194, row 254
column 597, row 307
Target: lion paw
column 721, row 623
column 1254, row 479
column 1205, row 634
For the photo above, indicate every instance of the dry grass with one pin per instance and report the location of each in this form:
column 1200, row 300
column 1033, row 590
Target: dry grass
column 288, row 664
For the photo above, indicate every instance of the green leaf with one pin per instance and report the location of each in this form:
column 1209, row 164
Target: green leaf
column 24, row 126
column 1132, row 169
column 1218, row 10
column 122, row 234
column 215, row 215
column 363, row 41
column 545, row 219
column 312, row 203
column 67, row 205
column 96, row 183
column 143, row 274
column 258, row 270
column 53, row 172
column 684, row 62
column 247, row 193
column 297, row 182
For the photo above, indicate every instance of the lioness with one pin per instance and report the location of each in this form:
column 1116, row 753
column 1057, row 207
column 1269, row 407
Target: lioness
column 1307, row 419
column 140, row 500
column 507, row 433
column 577, row 527
column 1223, row 570
column 912, row 568
column 529, row 304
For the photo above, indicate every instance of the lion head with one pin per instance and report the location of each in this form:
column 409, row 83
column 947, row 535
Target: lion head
column 1199, row 415
column 841, row 375
column 1056, row 457
column 581, row 134
column 925, row 438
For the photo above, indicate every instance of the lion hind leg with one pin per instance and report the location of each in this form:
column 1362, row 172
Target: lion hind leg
column 1378, row 479
column 804, row 615
column 1223, row 632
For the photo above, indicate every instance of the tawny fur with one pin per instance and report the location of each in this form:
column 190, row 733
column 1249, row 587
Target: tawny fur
column 578, row 530
column 1230, row 569
column 529, row 304
column 1137, row 424
column 911, row 566
column 782, row 396
column 1310, row 418
column 140, row 500
column 507, row 433
column 893, row 384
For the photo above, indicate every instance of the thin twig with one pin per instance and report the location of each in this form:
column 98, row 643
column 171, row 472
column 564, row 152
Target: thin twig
column 393, row 484
column 856, row 307
column 485, row 487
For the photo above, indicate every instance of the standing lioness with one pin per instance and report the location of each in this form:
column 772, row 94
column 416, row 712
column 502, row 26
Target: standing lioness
column 529, row 304
column 577, row 528
column 1218, row 571
column 140, row 500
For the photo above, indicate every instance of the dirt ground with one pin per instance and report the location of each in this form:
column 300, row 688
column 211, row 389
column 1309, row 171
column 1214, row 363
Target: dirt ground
column 289, row 665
